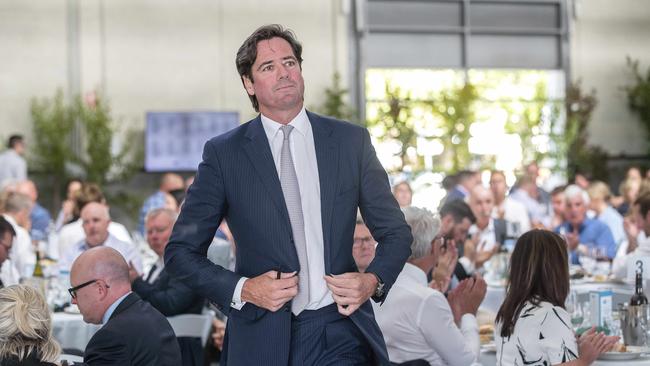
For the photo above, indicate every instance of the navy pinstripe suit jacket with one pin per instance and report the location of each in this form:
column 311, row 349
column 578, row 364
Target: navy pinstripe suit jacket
column 237, row 180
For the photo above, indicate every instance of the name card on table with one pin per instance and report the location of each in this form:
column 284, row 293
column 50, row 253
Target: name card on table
column 638, row 263
column 601, row 308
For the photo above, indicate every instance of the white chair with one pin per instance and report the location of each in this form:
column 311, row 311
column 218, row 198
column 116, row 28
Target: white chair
column 192, row 325
column 71, row 358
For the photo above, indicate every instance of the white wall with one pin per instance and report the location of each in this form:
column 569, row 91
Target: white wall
column 603, row 33
column 158, row 55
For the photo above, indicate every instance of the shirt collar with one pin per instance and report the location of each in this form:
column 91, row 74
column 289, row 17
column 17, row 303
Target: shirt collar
column 299, row 123
column 84, row 245
column 111, row 309
column 415, row 274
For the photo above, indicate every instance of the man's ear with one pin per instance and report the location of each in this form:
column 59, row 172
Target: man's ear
column 248, row 85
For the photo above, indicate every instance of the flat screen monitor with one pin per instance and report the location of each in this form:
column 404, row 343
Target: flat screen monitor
column 174, row 140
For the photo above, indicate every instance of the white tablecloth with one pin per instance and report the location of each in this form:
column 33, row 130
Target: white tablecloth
column 71, row 331
column 622, row 293
column 490, row 359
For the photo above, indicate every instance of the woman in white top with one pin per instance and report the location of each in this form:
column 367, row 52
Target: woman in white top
column 532, row 327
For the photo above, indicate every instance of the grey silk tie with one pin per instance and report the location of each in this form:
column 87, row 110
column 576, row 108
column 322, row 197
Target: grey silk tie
column 291, row 191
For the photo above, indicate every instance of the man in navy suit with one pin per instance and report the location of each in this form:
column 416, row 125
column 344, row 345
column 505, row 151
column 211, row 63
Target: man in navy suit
column 165, row 293
column 132, row 332
column 289, row 184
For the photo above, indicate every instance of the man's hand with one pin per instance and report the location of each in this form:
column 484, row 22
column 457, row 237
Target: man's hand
column 484, row 256
column 470, row 247
column 445, row 267
column 351, row 289
column 632, row 232
column 467, row 296
column 219, row 333
column 133, row 273
column 269, row 292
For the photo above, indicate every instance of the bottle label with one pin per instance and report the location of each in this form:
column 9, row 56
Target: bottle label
column 638, row 264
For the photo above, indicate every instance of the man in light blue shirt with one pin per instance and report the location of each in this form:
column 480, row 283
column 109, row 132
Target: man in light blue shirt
column 13, row 167
column 584, row 234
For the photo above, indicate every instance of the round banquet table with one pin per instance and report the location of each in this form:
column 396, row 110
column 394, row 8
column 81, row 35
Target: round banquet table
column 621, row 293
column 490, row 359
column 71, row 331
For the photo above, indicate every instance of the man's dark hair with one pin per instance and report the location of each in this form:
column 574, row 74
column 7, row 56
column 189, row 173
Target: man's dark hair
column 247, row 52
column 5, row 227
column 14, row 140
column 557, row 190
column 643, row 201
column 464, row 175
column 459, row 210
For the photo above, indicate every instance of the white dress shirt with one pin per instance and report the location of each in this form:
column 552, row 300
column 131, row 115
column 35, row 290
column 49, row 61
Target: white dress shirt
column 72, row 233
column 303, row 152
column 487, row 241
column 417, row 323
column 127, row 250
column 22, row 254
column 155, row 270
column 514, row 211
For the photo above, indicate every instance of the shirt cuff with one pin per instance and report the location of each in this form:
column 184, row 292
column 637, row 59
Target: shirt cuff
column 236, row 302
column 467, row 265
column 468, row 322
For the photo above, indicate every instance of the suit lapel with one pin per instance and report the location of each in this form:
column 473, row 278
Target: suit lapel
column 258, row 151
column 327, row 156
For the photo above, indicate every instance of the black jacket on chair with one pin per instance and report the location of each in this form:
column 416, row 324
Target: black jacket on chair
column 171, row 297
column 136, row 334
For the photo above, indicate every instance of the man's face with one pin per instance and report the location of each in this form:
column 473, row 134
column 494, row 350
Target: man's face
column 6, row 240
column 95, row 225
column 277, row 77
column 363, row 249
column 403, row 195
column 532, row 170
column 575, row 210
column 643, row 223
column 557, row 202
column 87, row 298
column 159, row 229
column 19, row 147
column 498, row 185
column 460, row 231
column 482, row 204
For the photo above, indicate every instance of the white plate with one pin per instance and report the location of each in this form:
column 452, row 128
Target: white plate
column 632, row 353
column 489, row 347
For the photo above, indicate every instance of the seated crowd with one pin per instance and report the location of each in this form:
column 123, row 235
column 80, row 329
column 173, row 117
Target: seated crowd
column 430, row 315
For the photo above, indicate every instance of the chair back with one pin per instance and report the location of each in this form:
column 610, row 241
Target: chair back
column 71, row 358
column 191, row 325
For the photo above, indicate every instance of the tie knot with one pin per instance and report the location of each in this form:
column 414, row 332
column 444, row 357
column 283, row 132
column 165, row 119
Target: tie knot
column 286, row 130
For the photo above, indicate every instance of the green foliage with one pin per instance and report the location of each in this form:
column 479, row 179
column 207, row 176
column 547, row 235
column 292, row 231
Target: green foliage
column 53, row 125
column 455, row 108
column 638, row 94
column 335, row 104
column 395, row 116
column 582, row 157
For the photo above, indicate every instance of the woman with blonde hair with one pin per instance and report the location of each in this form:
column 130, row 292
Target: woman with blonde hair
column 25, row 328
column 532, row 326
